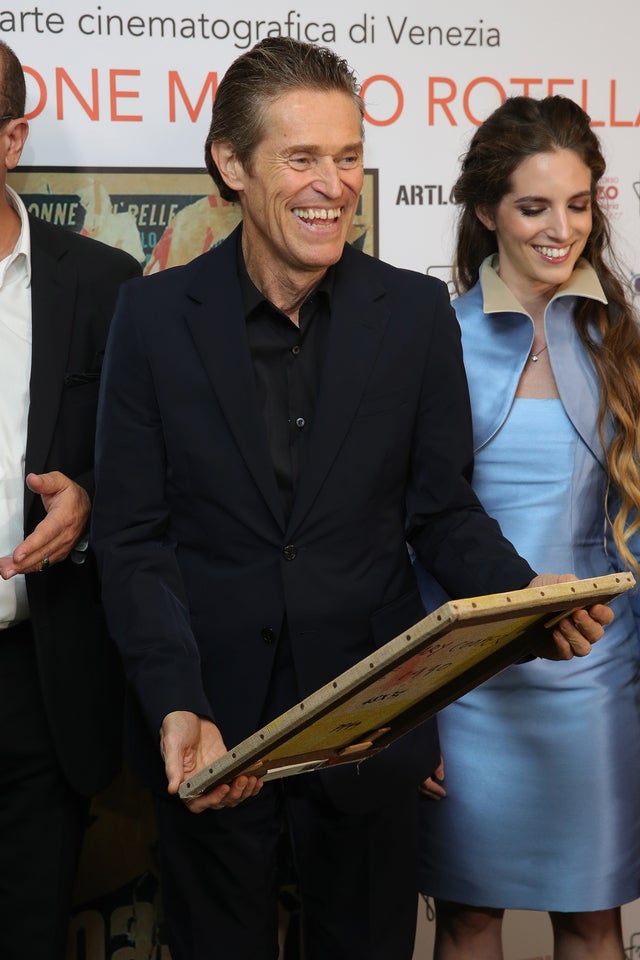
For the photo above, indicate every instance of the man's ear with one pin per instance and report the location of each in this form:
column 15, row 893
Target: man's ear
column 484, row 213
column 226, row 160
column 16, row 133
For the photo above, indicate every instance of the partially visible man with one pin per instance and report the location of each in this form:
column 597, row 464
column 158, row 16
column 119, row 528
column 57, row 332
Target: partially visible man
column 60, row 698
column 276, row 418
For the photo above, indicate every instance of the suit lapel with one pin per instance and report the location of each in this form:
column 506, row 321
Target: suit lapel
column 215, row 317
column 53, row 290
column 359, row 318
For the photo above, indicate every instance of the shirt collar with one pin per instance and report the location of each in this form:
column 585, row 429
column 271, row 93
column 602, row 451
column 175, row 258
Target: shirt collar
column 498, row 298
column 23, row 245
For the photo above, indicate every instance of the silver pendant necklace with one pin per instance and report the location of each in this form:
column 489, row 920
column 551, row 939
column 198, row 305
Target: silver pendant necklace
column 534, row 356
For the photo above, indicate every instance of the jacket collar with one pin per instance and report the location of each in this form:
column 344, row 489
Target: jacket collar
column 498, row 298
column 497, row 336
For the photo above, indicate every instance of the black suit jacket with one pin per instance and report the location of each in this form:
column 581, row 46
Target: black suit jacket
column 73, row 290
column 200, row 567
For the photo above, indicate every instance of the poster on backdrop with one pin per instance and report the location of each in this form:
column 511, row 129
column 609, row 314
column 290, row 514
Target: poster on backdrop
column 119, row 96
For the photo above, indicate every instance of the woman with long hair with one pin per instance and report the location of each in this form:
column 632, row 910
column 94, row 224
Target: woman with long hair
column 542, row 805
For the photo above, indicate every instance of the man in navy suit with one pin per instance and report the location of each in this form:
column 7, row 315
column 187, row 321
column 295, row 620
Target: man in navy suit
column 60, row 685
column 278, row 417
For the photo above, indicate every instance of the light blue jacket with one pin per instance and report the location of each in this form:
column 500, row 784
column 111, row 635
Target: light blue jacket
column 497, row 337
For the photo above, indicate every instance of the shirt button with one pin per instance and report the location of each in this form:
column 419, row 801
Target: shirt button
column 268, row 635
column 295, row 350
column 300, row 422
column 290, row 552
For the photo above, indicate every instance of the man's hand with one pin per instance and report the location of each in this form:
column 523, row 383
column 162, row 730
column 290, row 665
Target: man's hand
column 188, row 743
column 68, row 506
column 575, row 634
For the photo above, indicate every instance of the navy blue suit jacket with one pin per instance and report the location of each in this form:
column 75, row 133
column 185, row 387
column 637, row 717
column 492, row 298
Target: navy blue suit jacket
column 74, row 286
column 188, row 523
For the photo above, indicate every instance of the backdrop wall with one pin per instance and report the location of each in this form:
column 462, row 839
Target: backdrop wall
column 119, row 93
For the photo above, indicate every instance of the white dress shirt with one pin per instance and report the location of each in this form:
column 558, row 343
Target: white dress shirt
column 15, row 371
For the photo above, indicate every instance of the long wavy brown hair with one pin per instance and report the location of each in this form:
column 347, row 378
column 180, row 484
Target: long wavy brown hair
column 519, row 128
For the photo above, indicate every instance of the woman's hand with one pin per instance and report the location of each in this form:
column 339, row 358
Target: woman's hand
column 432, row 786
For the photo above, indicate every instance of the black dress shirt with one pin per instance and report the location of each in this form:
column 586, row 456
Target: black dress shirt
column 287, row 361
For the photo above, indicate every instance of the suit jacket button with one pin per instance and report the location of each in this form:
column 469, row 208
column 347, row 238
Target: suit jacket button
column 268, row 635
column 290, row 552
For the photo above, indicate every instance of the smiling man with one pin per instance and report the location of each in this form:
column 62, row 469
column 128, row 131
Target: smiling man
column 298, row 191
column 277, row 417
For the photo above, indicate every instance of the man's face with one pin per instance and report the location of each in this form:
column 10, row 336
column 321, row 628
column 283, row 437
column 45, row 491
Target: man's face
column 300, row 192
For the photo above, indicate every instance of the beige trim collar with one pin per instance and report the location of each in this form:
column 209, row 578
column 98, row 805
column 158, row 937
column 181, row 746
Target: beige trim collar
column 498, row 298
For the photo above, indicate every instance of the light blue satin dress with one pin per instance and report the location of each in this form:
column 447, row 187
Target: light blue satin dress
column 542, row 763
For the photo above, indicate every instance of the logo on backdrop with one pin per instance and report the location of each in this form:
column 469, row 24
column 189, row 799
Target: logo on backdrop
column 609, row 197
column 444, row 272
column 423, row 195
